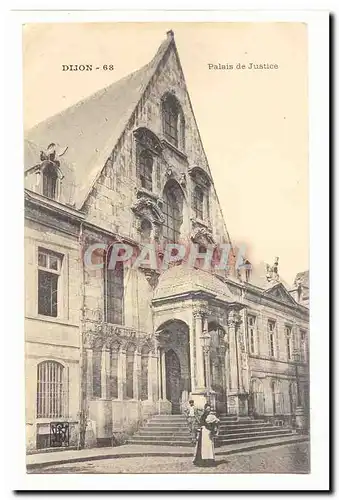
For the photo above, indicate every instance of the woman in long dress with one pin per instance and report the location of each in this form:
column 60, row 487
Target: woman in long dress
column 204, row 455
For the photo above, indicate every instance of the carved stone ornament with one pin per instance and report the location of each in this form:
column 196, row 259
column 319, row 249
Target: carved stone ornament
column 148, row 208
column 182, row 180
column 234, row 319
column 169, row 172
column 148, row 139
column 200, row 311
column 202, row 236
column 241, row 341
column 93, row 340
column 151, row 275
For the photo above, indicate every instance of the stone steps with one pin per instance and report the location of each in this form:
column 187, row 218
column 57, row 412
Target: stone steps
column 172, row 430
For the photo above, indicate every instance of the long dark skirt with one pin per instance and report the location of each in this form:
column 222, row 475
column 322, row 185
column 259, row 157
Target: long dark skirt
column 204, row 451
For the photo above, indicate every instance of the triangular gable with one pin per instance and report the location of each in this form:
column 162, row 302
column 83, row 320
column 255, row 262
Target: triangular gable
column 279, row 292
column 92, row 127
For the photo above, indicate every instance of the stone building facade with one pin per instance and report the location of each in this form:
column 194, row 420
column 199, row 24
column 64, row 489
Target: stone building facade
column 106, row 348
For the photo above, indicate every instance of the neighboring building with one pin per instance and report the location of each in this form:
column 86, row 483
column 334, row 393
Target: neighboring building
column 301, row 288
column 106, row 348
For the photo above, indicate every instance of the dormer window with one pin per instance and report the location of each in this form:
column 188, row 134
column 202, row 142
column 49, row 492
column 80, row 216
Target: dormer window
column 50, row 179
column 146, row 170
column 173, row 122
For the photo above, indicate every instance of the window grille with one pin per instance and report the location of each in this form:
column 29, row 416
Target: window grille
column 50, row 390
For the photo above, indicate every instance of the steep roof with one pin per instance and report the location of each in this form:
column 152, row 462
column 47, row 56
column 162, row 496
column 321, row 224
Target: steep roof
column 92, row 127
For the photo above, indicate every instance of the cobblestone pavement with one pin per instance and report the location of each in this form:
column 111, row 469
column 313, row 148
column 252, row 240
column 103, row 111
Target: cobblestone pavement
column 288, row 459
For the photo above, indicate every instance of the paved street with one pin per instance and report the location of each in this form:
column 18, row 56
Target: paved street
column 288, row 459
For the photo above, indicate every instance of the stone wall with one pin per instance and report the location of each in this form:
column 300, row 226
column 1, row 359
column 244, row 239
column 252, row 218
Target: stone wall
column 49, row 338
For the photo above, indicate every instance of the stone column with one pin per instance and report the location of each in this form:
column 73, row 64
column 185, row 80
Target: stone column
column 199, row 353
column 121, row 374
column 192, row 335
column 233, row 398
column 223, row 359
column 105, row 371
column 136, row 374
column 159, row 378
column 152, row 374
column 89, row 373
column 163, row 374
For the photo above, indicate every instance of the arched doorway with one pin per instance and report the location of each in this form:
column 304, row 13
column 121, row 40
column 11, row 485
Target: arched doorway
column 173, row 380
column 174, row 375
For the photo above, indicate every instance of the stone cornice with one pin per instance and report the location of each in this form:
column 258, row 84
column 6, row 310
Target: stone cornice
column 267, row 299
column 53, row 205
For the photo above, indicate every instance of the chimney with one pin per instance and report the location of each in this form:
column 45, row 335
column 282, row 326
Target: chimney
column 170, row 34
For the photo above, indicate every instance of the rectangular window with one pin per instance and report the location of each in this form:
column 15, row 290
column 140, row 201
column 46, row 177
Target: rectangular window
column 49, row 269
column 303, row 349
column 271, row 337
column 288, row 335
column 114, row 294
column 198, row 203
column 251, row 326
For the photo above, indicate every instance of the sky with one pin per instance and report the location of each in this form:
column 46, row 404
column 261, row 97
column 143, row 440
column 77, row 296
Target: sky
column 253, row 124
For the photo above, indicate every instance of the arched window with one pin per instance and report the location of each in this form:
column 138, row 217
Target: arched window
column 172, row 209
column 198, row 203
column 50, row 179
column 114, row 292
column 130, row 371
column 173, row 122
column 146, row 169
column 144, row 372
column 50, row 390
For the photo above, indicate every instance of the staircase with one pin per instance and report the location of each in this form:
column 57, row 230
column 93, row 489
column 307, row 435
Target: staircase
column 172, row 430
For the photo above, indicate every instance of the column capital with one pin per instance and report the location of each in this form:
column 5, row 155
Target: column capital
column 234, row 318
column 92, row 339
column 200, row 312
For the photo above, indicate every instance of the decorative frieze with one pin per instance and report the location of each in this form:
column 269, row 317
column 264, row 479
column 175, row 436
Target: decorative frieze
column 109, row 336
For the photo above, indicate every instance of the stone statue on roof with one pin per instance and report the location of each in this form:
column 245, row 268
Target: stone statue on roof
column 272, row 273
column 52, row 154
